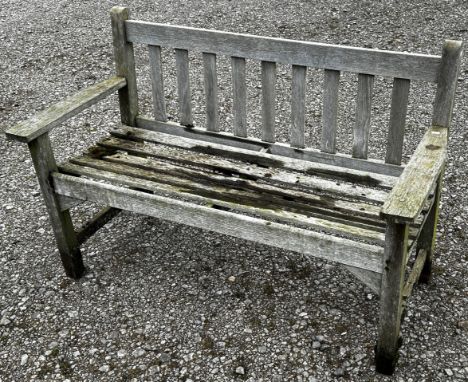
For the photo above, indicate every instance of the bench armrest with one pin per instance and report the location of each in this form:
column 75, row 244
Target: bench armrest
column 405, row 201
column 46, row 120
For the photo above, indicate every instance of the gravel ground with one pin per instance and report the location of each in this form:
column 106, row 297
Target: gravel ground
column 165, row 302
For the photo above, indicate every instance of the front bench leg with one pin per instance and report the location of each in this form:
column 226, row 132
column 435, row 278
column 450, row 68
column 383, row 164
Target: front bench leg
column 44, row 164
column 396, row 247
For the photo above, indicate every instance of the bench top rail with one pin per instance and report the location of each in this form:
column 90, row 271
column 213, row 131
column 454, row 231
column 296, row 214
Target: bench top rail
column 317, row 55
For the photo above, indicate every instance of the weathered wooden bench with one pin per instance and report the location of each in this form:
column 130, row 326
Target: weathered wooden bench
column 367, row 215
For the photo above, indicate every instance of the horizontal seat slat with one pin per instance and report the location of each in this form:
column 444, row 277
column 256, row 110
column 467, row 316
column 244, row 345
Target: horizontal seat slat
column 374, row 170
column 341, row 250
column 266, row 206
column 275, row 164
column 356, row 213
column 317, row 55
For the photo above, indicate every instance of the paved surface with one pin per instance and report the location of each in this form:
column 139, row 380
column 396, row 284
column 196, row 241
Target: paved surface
column 164, row 302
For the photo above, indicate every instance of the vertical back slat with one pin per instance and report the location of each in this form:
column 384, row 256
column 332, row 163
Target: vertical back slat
column 330, row 110
column 447, row 83
column 298, row 105
column 268, row 100
column 396, row 127
column 183, row 87
column 211, row 91
column 125, row 66
column 157, row 83
column 239, row 102
column 363, row 115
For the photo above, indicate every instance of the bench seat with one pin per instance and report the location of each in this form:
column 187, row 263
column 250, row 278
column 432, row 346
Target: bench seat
column 255, row 195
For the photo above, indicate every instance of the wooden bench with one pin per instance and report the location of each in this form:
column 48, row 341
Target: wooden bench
column 367, row 215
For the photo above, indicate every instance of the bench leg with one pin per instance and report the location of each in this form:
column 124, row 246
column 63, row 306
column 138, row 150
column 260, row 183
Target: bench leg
column 44, row 163
column 396, row 240
column 427, row 237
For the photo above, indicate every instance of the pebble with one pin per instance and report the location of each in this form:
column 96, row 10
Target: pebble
column 240, row 370
column 24, row 359
column 449, row 372
column 360, row 357
column 339, row 372
column 121, row 353
column 164, row 357
column 232, row 279
column 104, row 368
column 316, row 345
column 262, row 349
column 139, row 352
column 4, row 321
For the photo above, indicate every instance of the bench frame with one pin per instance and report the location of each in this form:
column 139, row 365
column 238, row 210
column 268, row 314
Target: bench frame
column 418, row 185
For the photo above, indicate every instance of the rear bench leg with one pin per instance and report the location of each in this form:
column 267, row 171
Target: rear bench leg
column 396, row 240
column 44, row 163
column 427, row 237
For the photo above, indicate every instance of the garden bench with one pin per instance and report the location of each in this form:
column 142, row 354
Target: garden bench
column 364, row 214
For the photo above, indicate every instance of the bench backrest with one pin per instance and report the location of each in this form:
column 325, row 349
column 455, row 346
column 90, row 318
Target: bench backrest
column 333, row 59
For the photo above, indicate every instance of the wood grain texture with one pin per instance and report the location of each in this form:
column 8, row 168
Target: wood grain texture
column 143, row 174
column 66, row 203
column 447, row 83
column 415, row 273
column 125, row 65
column 396, row 126
column 314, row 244
column 47, row 119
column 199, row 181
column 427, row 238
column 391, row 297
column 363, row 115
column 268, row 100
column 406, row 200
column 371, row 168
column 239, row 101
column 259, row 158
column 211, row 91
column 67, row 243
column 330, row 111
column 298, row 95
column 157, row 83
column 183, row 88
column 316, row 55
